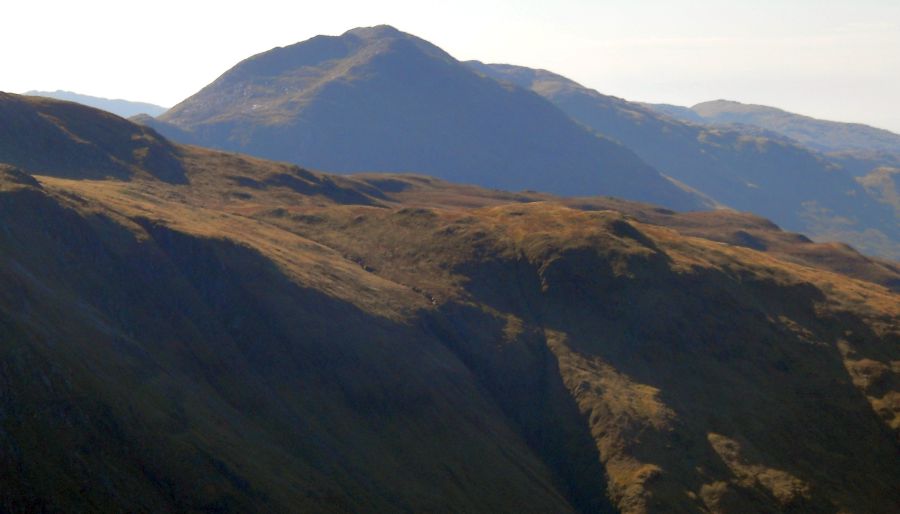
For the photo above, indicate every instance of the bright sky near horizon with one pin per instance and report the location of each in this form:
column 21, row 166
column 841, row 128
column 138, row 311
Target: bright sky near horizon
column 826, row 58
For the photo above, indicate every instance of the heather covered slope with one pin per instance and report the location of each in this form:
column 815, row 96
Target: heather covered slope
column 377, row 99
column 746, row 170
column 265, row 338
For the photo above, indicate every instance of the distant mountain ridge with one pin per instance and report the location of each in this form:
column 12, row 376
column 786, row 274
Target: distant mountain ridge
column 123, row 108
column 822, row 135
column 378, row 99
column 749, row 169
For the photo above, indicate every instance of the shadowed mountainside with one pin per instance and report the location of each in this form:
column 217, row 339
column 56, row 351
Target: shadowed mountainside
column 264, row 338
column 750, row 170
column 377, row 99
column 151, row 368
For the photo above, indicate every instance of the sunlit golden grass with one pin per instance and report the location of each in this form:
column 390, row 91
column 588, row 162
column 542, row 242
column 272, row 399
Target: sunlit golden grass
column 404, row 246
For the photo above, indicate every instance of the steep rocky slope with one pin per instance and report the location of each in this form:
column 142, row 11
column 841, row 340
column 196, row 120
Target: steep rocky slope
column 265, row 338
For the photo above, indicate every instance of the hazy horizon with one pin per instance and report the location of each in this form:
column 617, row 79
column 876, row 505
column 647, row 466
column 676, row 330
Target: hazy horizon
column 825, row 59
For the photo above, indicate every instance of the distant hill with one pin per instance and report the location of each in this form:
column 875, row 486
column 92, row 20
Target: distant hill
column 261, row 338
column 123, row 108
column 821, row 135
column 747, row 168
column 377, row 99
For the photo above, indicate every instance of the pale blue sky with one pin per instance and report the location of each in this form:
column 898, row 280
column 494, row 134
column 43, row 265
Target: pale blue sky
column 826, row 58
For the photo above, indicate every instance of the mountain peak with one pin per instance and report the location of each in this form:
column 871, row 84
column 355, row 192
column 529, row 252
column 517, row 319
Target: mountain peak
column 375, row 32
column 378, row 99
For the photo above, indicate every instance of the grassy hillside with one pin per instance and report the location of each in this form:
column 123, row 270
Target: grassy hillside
column 264, row 338
column 72, row 140
column 181, row 366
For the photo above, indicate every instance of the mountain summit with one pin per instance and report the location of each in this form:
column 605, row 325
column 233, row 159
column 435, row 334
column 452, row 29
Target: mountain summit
column 378, row 99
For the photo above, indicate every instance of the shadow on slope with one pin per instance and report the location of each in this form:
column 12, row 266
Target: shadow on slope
column 705, row 389
column 147, row 369
column 707, row 377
